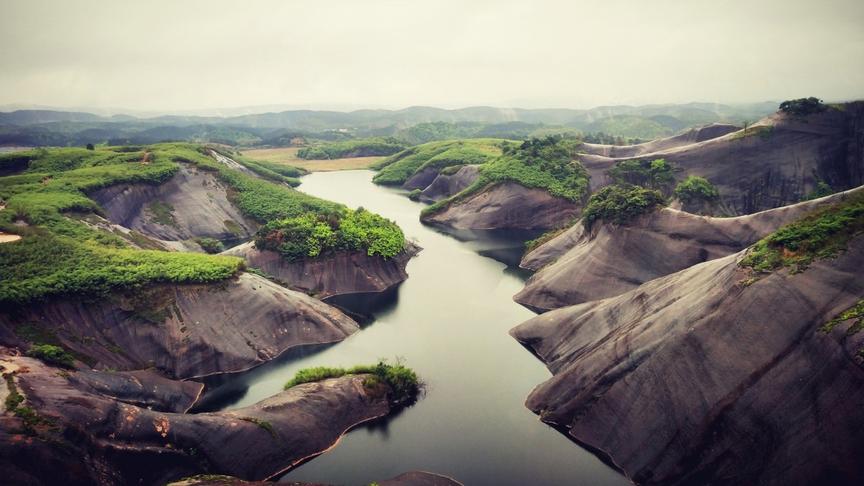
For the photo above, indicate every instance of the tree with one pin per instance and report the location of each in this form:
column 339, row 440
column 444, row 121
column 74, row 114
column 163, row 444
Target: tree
column 90, row 146
column 802, row 106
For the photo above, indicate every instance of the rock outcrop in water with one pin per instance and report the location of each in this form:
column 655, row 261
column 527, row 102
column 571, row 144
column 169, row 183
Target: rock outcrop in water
column 706, row 376
column 184, row 331
column 506, row 206
column 193, row 204
column 96, row 438
column 579, row 265
column 330, row 275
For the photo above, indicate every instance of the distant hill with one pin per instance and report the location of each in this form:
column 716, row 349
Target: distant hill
column 52, row 127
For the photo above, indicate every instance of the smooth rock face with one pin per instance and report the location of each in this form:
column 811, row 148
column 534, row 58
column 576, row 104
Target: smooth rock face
column 696, row 378
column 778, row 162
column 444, row 186
column 125, row 444
column 421, row 179
column 411, row 478
column 187, row 331
column 200, row 209
column 142, row 388
column 580, row 266
column 694, row 135
column 506, row 206
column 326, row 276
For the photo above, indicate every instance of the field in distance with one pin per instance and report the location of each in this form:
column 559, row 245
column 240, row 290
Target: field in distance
column 288, row 156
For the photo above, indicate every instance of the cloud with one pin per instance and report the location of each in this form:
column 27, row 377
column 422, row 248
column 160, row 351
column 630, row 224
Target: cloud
column 168, row 55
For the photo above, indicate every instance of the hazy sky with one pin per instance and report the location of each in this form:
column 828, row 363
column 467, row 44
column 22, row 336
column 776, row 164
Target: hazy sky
column 178, row 55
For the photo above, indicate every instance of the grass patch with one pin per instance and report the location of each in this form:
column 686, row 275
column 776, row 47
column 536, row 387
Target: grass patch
column 14, row 405
column 210, row 245
column 762, row 131
column 403, row 382
column 51, row 354
column 619, row 204
column 546, row 237
column 855, row 312
column 821, row 234
column 261, row 423
column 162, row 213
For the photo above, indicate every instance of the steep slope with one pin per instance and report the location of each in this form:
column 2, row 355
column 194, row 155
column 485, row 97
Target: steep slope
column 708, row 376
column 694, row 135
column 98, row 439
column 580, row 266
column 775, row 162
column 183, row 331
column 447, row 184
column 192, row 204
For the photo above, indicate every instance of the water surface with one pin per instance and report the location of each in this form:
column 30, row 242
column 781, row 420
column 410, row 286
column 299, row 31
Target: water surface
column 450, row 322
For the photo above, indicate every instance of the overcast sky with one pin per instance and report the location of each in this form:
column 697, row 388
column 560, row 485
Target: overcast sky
column 177, row 55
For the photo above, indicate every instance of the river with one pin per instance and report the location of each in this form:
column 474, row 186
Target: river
column 449, row 322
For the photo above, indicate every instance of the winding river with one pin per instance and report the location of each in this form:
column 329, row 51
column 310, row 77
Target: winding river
column 450, row 322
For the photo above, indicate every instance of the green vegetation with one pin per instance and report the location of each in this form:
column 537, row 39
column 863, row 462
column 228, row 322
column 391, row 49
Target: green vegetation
column 400, row 167
column 269, row 170
column 51, row 354
column 530, row 245
column 267, row 426
column 162, row 213
column 210, row 245
column 696, row 190
column 619, row 204
column 822, row 189
column 544, row 163
column 310, row 235
column 364, row 147
column 855, row 312
column 59, row 255
column 630, row 126
column 14, row 406
column 803, row 106
column 654, row 174
column 415, row 195
column 821, row 234
column 402, row 381
column 763, row 131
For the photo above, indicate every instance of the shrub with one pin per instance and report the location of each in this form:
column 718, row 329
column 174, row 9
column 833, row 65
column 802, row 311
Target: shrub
column 695, row 189
column 210, row 245
column 802, row 106
column 821, row 234
column 403, row 382
column 654, row 174
column 51, row 354
column 415, row 195
column 619, row 204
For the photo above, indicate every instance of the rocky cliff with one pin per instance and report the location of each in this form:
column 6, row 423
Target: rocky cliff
column 580, row 266
column 183, row 331
column 193, row 204
column 111, row 442
column 773, row 163
column 705, row 376
column 446, row 185
column 327, row 276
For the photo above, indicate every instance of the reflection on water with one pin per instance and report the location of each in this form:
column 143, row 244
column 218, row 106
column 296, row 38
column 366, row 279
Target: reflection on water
column 450, row 321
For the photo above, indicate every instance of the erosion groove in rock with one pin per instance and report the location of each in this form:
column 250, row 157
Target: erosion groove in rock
column 580, row 266
column 187, row 330
column 699, row 377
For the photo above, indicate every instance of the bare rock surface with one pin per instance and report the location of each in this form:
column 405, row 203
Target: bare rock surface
column 580, row 266
column 694, row 135
column 506, row 206
column 121, row 443
column 186, row 331
column 192, row 204
column 326, row 276
column 446, row 185
column 698, row 378
column 777, row 162
column 411, row 478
